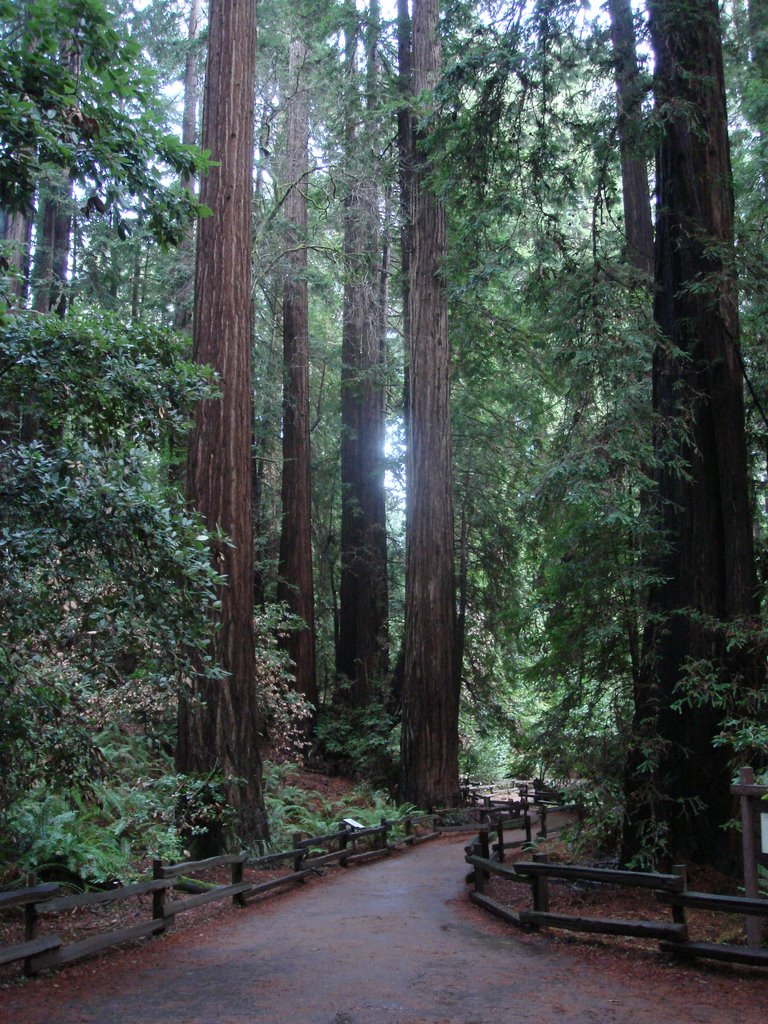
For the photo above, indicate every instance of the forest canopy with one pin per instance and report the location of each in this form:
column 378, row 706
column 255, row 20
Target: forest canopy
column 406, row 418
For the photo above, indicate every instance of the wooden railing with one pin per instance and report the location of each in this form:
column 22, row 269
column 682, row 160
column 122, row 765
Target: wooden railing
column 350, row 843
column 670, row 890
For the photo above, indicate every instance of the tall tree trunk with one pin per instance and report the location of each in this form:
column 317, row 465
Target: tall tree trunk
column 16, row 232
column 218, row 719
column 182, row 313
column 49, row 273
column 757, row 25
column 706, row 573
column 361, row 653
column 296, row 586
column 406, row 158
column 429, row 745
column 638, row 225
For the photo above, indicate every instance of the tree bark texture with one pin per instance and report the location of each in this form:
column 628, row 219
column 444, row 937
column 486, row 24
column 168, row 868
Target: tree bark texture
column 182, row 315
column 296, row 586
column 429, row 745
column 16, row 232
column 52, row 252
column 638, row 224
column 218, row 719
column 705, row 572
column 406, row 158
column 361, row 654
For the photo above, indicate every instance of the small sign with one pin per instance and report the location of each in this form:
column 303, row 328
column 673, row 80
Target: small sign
column 356, row 824
column 764, row 833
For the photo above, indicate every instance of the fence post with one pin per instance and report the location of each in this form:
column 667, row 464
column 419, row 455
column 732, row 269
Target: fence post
column 540, row 886
column 158, row 896
column 343, row 840
column 298, row 855
column 409, row 827
column 485, row 851
column 30, row 929
column 385, row 834
column 500, row 833
column 678, row 913
column 238, row 900
column 527, row 824
column 749, row 845
column 542, row 834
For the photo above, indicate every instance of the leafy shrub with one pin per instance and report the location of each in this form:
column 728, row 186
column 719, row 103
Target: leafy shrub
column 362, row 741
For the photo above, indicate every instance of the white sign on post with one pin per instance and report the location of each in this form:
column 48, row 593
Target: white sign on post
column 764, row 833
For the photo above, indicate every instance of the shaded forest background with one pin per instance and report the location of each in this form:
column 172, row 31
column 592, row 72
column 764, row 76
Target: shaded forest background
column 464, row 355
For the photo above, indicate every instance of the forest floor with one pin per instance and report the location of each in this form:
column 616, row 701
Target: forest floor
column 395, row 942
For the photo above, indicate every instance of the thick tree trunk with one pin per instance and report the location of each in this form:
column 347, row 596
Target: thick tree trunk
column 218, row 718
column 638, row 225
column 361, row 652
column 295, row 586
column 406, row 157
column 706, row 569
column 429, row 745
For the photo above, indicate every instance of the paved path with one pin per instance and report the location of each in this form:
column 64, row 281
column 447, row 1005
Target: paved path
column 393, row 942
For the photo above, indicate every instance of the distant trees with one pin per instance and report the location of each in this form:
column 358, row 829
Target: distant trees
column 636, row 196
column 218, row 717
column 500, row 364
column 295, row 585
column 361, row 653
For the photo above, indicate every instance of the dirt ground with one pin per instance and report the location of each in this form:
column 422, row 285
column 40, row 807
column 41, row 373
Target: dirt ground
column 392, row 942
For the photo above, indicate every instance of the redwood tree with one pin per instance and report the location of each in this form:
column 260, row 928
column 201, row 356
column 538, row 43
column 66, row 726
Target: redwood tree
column 361, row 655
column 429, row 746
column 705, row 589
column 295, row 583
column 218, row 718
column 638, row 225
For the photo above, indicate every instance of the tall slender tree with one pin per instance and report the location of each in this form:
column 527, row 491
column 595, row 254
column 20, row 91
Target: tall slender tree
column 218, row 718
column 361, row 656
column 16, row 232
column 182, row 313
column 705, row 577
column 429, row 746
column 638, row 225
column 295, row 569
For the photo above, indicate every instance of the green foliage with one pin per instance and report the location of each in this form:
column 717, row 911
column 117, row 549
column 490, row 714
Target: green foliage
column 104, row 828
column 77, row 96
column 362, row 741
column 292, row 808
column 105, row 576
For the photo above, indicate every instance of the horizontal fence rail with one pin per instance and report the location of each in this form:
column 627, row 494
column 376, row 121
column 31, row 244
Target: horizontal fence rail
column 348, row 844
column 670, row 890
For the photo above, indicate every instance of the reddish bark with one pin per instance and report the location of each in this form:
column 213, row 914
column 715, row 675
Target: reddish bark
column 295, row 585
column 705, row 571
column 429, row 747
column 218, row 719
column 361, row 653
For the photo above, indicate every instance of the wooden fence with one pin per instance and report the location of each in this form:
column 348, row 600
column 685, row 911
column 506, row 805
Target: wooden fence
column 175, row 888
column 670, row 891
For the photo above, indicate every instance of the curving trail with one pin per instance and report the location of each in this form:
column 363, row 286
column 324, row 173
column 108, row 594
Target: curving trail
column 393, row 942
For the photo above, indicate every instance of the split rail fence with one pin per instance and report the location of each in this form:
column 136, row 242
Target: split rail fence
column 175, row 889
column 487, row 858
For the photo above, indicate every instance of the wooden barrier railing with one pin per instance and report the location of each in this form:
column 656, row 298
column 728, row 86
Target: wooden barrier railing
column 351, row 843
column 669, row 889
